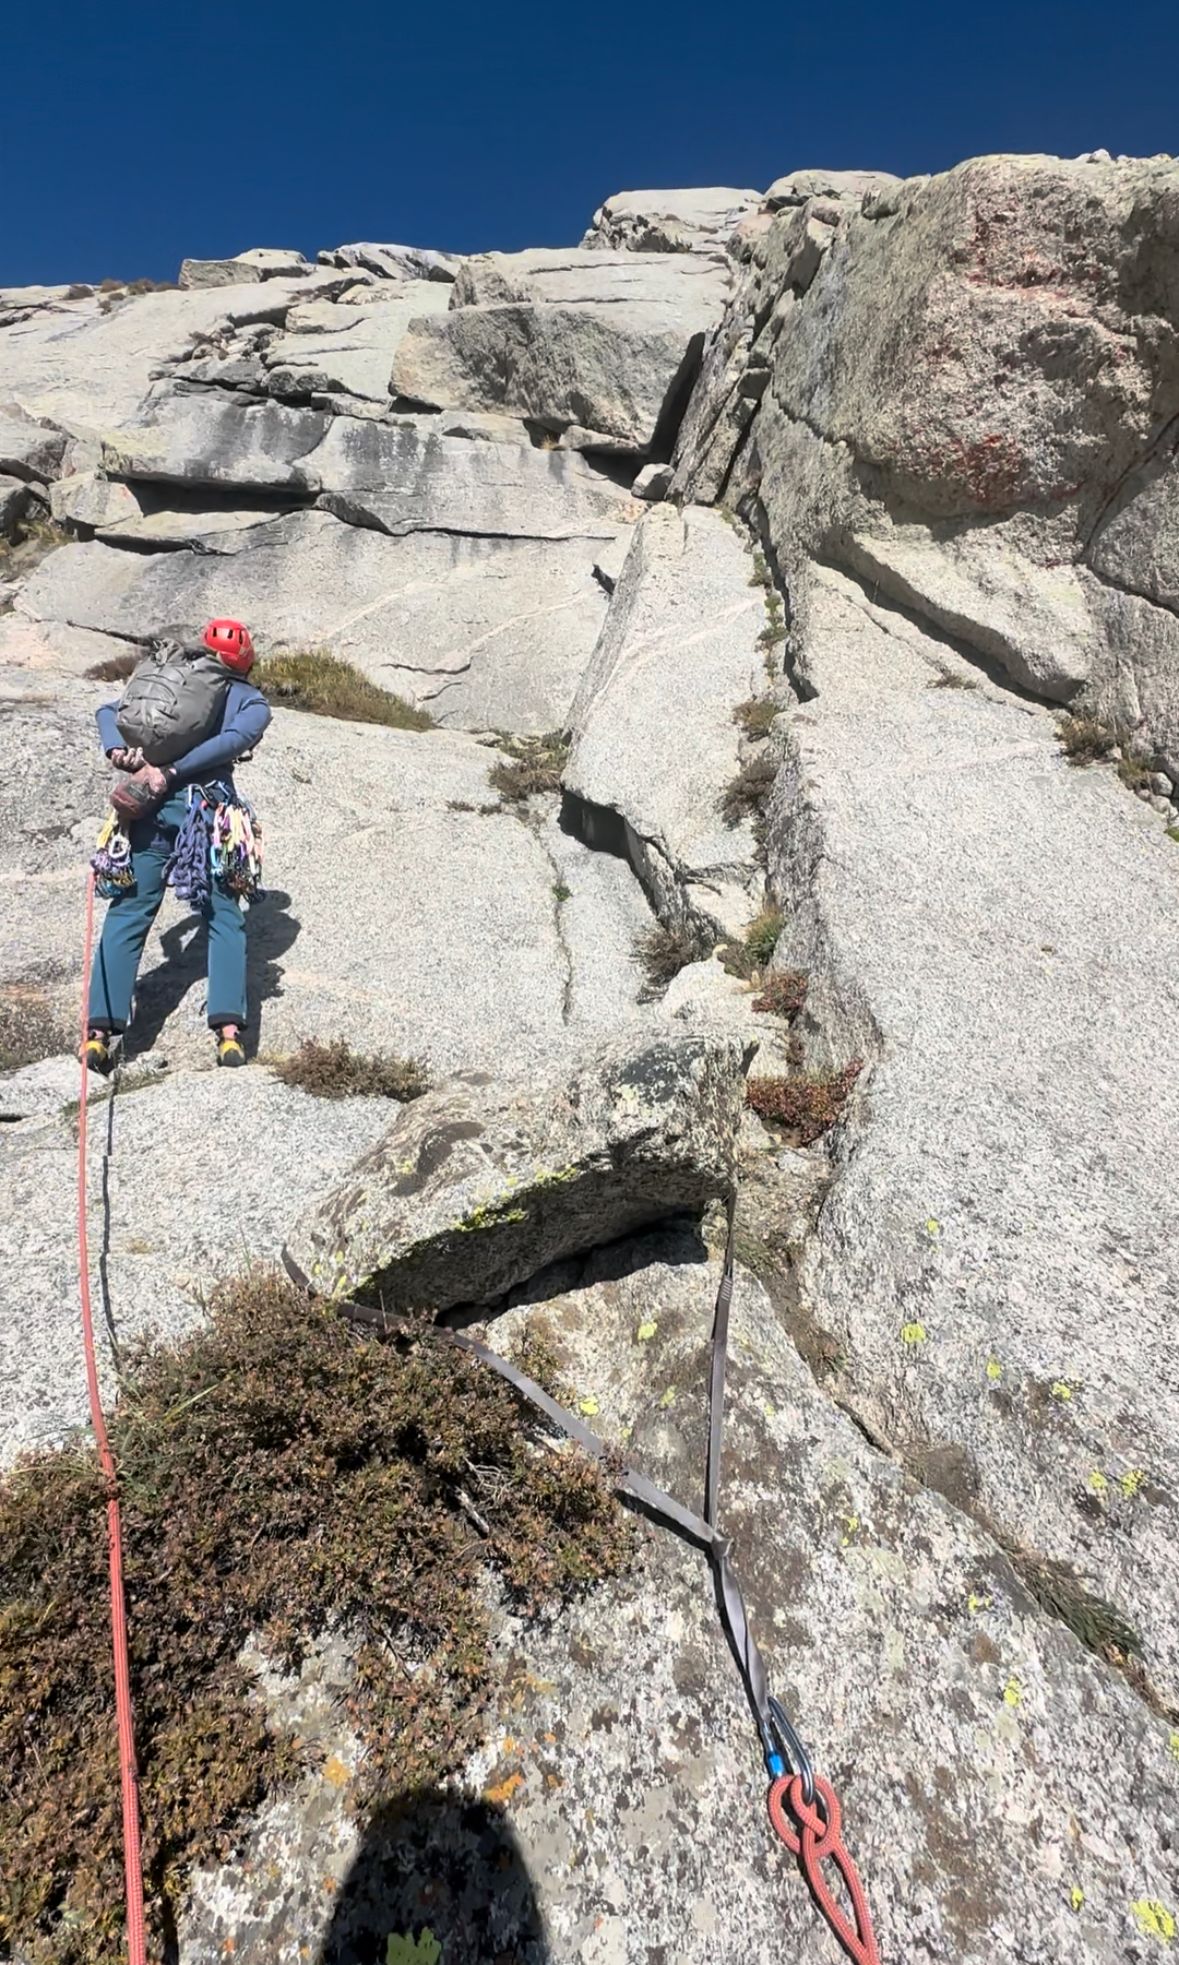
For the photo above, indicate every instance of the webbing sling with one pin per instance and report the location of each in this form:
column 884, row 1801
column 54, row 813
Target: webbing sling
column 816, row 1835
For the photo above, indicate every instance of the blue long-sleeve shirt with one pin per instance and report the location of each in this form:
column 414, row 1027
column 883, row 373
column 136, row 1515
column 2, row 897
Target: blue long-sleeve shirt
column 245, row 714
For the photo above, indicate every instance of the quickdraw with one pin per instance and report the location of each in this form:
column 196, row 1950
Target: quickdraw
column 111, row 859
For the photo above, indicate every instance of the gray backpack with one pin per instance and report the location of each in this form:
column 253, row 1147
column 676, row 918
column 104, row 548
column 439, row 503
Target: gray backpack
column 173, row 701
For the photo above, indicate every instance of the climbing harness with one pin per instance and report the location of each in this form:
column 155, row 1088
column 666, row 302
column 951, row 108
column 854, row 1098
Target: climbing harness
column 128, row 1766
column 816, row 1834
column 219, row 842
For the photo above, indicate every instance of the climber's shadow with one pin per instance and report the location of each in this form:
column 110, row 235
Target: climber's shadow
column 270, row 930
column 446, row 1877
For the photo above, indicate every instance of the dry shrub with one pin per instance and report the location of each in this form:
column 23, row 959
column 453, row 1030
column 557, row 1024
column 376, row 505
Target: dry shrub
column 744, row 795
column 534, row 766
column 756, row 716
column 783, row 993
column 335, row 1070
column 1084, row 739
column 310, row 679
column 116, row 668
column 806, row 1106
column 282, row 1477
column 661, row 953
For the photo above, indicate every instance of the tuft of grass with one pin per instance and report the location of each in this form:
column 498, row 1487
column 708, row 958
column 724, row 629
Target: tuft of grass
column 1063, row 1593
column 661, row 953
column 324, row 685
column 1134, row 770
column 752, row 953
column 561, row 893
column 783, row 993
column 282, row 1476
column 116, row 668
column 534, row 766
column 744, row 796
column 761, row 575
column 29, row 1029
column 1172, row 832
column 1085, row 739
column 335, row 1070
column 756, row 716
column 952, row 679
column 805, row 1107
column 35, row 539
column 112, row 292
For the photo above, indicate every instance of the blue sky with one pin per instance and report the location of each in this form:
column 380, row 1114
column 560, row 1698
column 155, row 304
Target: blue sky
column 134, row 134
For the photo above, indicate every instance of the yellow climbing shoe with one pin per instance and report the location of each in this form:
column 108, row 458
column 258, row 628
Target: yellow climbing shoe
column 230, row 1050
column 96, row 1053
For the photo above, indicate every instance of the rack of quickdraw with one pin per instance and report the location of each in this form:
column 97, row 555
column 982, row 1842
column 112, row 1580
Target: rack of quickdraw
column 220, row 840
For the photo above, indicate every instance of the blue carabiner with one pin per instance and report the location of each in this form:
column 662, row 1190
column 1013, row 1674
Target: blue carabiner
column 784, row 1750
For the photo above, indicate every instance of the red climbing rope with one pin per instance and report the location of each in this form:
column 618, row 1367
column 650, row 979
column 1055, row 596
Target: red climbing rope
column 816, row 1839
column 128, row 1769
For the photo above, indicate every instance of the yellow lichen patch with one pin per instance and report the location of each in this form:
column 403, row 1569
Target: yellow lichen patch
column 589, row 1406
column 546, row 1176
column 1076, row 1896
column 1062, row 1390
column 1012, row 1692
column 974, row 1604
column 913, row 1333
column 1173, row 1745
column 503, row 1790
column 851, row 1523
column 336, row 1772
column 994, row 1370
column 1153, row 1919
column 1096, row 1482
column 668, row 1398
column 493, row 1215
column 1131, row 1482
column 646, row 1331
column 933, row 1228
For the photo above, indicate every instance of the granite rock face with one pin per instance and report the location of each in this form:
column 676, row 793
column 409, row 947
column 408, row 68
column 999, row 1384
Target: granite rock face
column 750, row 553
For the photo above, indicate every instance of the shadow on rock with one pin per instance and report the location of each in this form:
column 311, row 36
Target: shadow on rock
column 271, row 929
column 437, row 1880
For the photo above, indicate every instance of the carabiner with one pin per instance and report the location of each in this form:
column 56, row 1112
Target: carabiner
column 785, row 1750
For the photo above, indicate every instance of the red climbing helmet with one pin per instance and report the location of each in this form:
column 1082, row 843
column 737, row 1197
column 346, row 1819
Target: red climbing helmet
column 231, row 644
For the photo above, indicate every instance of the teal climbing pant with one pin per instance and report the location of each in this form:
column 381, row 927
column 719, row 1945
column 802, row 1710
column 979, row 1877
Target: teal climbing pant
column 130, row 915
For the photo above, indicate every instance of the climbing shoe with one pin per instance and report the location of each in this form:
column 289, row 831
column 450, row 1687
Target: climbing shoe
column 98, row 1053
column 230, row 1050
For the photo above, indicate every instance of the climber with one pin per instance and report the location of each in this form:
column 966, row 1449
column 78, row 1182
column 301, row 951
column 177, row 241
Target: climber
column 187, row 716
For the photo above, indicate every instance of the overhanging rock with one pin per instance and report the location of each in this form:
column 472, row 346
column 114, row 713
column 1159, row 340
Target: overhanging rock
column 480, row 1185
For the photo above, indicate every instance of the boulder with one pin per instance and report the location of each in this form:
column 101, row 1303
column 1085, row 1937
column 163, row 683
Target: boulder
column 394, row 262
column 188, row 437
column 994, row 1259
column 332, row 347
column 799, row 187
column 684, row 618
column 699, row 221
column 260, row 263
column 88, row 502
column 479, row 1185
column 15, row 496
column 614, row 370
column 30, row 449
column 653, row 483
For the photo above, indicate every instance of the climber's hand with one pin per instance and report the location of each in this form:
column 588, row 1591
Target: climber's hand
column 157, row 781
